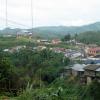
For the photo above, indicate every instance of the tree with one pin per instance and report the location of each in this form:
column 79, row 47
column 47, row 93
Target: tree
column 76, row 36
column 95, row 90
column 67, row 37
column 6, row 73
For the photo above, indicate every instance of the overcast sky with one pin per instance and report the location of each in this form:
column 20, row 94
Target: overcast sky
column 50, row 12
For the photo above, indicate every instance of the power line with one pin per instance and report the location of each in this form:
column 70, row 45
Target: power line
column 14, row 22
column 6, row 13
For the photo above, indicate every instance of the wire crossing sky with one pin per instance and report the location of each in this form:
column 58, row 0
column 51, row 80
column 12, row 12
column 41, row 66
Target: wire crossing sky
column 50, row 12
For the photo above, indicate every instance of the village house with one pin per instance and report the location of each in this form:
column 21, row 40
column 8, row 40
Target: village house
column 58, row 50
column 30, row 35
column 20, row 34
column 65, row 72
column 73, row 53
column 92, row 72
column 17, row 48
column 38, row 40
column 6, row 50
column 44, row 40
column 86, row 73
column 73, row 41
column 78, row 70
column 23, row 33
column 94, row 51
column 56, row 41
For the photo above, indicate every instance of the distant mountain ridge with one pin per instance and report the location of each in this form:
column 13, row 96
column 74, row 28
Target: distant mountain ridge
column 55, row 31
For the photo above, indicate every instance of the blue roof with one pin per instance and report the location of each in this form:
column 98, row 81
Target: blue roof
column 91, row 61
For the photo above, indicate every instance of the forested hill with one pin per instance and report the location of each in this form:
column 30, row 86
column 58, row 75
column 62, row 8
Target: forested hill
column 56, row 31
column 71, row 29
column 90, row 37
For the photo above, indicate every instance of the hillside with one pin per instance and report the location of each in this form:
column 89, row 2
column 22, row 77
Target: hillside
column 55, row 31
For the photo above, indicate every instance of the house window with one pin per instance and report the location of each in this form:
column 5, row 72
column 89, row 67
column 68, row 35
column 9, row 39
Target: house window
column 81, row 73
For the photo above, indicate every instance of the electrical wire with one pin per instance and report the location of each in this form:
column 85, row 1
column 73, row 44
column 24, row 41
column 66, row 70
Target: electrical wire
column 14, row 22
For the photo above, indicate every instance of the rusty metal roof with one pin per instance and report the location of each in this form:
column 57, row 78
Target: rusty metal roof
column 92, row 67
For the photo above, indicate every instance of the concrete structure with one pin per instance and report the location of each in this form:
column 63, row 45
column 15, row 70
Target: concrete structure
column 85, row 73
column 65, row 72
column 94, row 51
column 56, row 41
column 92, row 72
column 58, row 50
column 30, row 35
column 78, row 70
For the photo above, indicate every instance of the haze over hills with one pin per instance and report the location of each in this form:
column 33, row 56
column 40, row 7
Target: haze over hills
column 55, row 31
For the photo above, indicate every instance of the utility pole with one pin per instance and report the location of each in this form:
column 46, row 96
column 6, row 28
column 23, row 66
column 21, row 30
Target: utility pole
column 31, row 17
column 6, row 13
column 32, row 14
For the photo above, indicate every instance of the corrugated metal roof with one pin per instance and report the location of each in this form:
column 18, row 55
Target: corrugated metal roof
column 98, row 70
column 92, row 67
column 78, row 67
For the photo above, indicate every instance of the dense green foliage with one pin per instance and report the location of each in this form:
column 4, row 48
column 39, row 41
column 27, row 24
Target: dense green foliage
column 40, row 68
column 61, row 89
column 67, row 37
column 90, row 37
column 35, row 75
column 95, row 90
